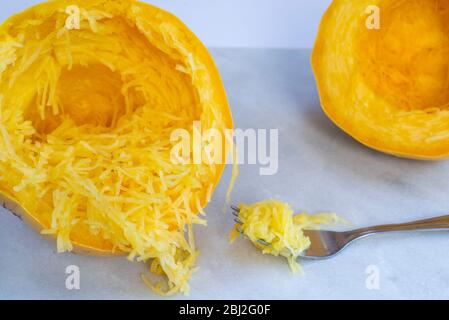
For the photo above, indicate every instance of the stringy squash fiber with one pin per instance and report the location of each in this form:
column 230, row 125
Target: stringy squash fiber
column 388, row 87
column 85, row 121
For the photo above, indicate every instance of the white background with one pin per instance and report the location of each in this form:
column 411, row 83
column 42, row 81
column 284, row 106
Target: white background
column 236, row 23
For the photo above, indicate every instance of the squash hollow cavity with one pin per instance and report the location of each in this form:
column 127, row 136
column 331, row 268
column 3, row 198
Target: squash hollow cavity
column 98, row 89
column 406, row 60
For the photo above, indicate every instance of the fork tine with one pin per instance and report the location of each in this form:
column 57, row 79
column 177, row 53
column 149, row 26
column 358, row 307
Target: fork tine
column 263, row 242
column 238, row 221
column 235, row 211
column 235, row 208
column 260, row 241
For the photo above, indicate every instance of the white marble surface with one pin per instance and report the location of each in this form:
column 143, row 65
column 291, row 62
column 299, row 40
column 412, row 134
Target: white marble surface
column 320, row 168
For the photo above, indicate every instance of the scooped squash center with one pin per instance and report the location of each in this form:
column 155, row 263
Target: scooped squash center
column 88, row 89
column 406, row 61
column 91, row 95
column 87, row 95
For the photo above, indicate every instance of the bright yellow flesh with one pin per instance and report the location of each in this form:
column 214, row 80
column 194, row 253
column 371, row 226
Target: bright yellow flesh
column 85, row 123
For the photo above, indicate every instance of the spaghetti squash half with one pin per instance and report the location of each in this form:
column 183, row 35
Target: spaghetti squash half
column 90, row 93
column 382, row 69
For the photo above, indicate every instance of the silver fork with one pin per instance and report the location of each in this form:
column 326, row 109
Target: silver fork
column 326, row 244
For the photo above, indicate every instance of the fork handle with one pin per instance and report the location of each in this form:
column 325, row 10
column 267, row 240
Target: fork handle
column 432, row 224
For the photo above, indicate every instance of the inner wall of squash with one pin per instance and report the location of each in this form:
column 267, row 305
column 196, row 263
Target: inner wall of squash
column 406, row 61
column 88, row 115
